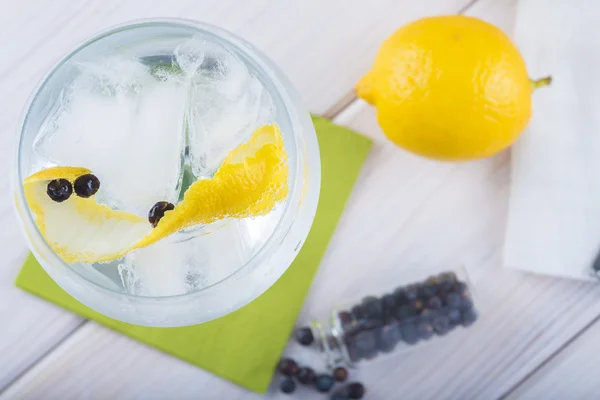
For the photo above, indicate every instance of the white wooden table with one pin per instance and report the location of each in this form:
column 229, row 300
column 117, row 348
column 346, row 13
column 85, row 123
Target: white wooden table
column 537, row 339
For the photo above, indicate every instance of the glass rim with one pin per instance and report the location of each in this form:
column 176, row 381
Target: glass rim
column 287, row 218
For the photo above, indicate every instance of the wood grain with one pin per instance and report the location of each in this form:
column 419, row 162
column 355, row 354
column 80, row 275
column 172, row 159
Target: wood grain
column 572, row 374
column 323, row 46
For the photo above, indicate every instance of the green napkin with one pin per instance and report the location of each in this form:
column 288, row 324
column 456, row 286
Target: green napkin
column 228, row 346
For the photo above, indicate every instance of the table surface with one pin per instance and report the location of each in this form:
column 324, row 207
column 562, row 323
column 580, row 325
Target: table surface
column 536, row 334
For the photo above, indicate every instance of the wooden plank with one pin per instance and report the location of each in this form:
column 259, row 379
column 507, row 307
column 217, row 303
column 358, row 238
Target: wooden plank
column 323, row 46
column 575, row 368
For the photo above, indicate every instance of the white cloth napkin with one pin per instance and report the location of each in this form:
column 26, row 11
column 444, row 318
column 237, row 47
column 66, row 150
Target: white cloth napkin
column 554, row 209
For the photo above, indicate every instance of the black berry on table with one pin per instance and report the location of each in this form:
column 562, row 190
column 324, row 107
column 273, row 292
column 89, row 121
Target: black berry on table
column 306, row 375
column 400, row 296
column 340, row 374
column 441, row 324
column 460, row 288
column 455, row 316
column 366, row 344
column 357, row 312
column 388, row 337
column 388, row 303
column 468, row 317
column 465, row 302
column 425, row 330
column 304, row 336
column 391, row 318
column 427, row 315
column 409, row 333
column 287, row 386
column 369, row 324
column 434, row 303
column 417, row 305
column 372, row 307
column 447, row 277
column 59, row 190
column 430, row 287
column 412, row 292
column 404, row 312
column 355, row 390
column 453, row 299
column 324, row 383
column 86, row 185
column 447, row 280
column 288, row 367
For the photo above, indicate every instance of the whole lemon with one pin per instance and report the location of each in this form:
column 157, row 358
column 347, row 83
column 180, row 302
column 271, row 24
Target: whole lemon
column 450, row 88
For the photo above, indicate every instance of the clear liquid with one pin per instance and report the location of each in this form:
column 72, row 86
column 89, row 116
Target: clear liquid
column 148, row 126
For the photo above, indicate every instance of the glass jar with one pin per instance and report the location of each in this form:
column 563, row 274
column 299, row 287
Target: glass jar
column 420, row 310
column 150, row 40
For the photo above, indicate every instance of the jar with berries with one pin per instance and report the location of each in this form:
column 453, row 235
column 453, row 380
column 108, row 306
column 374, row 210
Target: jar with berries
column 429, row 304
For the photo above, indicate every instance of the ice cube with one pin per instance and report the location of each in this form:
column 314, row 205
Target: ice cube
column 219, row 123
column 186, row 261
column 157, row 270
column 226, row 103
column 112, row 75
column 129, row 130
column 190, row 54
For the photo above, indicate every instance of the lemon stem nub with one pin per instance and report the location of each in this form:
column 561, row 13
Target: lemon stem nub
column 363, row 89
column 540, row 83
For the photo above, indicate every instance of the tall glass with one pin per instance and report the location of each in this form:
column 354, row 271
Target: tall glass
column 154, row 38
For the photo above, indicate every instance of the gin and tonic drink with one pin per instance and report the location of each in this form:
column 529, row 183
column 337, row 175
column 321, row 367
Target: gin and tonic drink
column 166, row 174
